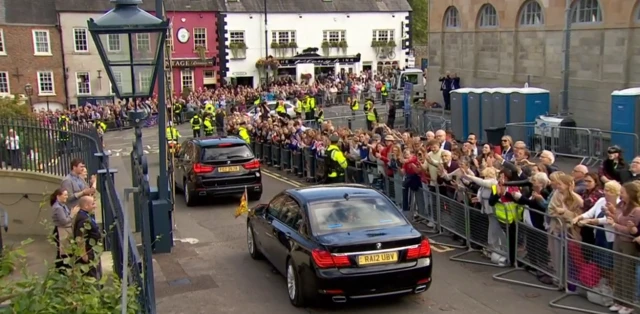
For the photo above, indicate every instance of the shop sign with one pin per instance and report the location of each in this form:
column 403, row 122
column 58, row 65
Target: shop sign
column 193, row 63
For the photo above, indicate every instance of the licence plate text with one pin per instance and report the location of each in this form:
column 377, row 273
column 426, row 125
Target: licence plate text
column 229, row 169
column 380, row 258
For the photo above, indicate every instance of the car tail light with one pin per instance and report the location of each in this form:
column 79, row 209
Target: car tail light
column 200, row 168
column 254, row 164
column 423, row 250
column 324, row 259
column 225, row 145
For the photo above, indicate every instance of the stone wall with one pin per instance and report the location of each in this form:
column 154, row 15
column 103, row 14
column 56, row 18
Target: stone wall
column 604, row 56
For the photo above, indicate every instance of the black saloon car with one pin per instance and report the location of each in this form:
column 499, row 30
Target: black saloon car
column 213, row 166
column 339, row 242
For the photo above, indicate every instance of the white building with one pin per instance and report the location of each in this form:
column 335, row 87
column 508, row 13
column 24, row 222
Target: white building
column 344, row 32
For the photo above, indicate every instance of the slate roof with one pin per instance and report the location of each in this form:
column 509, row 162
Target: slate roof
column 244, row 6
column 37, row 12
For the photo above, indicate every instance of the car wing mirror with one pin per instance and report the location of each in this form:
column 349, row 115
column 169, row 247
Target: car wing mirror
column 260, row 210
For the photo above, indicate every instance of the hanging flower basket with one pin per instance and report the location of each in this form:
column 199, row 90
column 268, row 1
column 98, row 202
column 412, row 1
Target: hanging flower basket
column 275, row 45
column 343, row 46
column 238, row 49
column 306, row 76
column 261, row 64
column 325, row 47
column 391, row 44
column 293, row 46
column 377, row 45
column 272, row 63
column 201, row 52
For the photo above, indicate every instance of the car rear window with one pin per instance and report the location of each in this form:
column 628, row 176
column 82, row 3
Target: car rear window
column 353, row 214
column 226, row 152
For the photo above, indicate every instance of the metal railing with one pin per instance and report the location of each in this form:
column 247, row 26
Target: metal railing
column 535, row 243
column 589, row 145
column 48, row 148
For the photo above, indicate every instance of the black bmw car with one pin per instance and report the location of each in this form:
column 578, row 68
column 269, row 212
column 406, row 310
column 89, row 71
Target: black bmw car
column 339, row 242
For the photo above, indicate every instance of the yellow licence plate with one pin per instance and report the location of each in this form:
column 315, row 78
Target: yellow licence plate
column 229, row 169
column 381, row 258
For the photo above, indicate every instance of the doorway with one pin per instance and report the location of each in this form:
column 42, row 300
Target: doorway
column 244, row 81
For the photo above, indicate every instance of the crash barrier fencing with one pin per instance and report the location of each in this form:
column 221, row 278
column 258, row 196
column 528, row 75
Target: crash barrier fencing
column 535, row 249
column 587, row 144
column 48, row 149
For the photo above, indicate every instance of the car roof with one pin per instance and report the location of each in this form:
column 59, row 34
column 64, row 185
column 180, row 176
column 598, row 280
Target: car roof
column 332, row 192
column 217, row 140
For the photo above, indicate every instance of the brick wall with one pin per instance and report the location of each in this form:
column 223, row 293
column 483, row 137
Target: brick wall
column 604, row 55
column 23, row 66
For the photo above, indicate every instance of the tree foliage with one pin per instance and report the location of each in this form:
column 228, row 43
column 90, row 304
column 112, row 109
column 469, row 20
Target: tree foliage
column 56, row 292
column 13, row 108
column 420, row 22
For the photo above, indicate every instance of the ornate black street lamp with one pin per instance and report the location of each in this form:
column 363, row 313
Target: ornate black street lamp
column 131, row 42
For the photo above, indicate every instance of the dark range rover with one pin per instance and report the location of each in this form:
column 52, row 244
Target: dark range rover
column 217, row 166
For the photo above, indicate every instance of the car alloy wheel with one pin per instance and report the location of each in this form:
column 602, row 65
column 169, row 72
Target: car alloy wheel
column 250, row 243
column 291, row 282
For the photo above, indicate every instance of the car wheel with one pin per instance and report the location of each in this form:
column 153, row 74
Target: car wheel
column 189, row 197
column 255, row 196
column 251, row 244
column 293, row 286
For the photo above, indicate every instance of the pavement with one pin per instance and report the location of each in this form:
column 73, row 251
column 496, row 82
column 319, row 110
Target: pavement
column 210, row 269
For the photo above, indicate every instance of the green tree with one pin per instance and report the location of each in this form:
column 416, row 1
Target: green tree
column 11, row 108
column 420, row 22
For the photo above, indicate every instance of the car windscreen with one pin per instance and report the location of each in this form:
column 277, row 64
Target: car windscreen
column 226, row 152
column 345, row 215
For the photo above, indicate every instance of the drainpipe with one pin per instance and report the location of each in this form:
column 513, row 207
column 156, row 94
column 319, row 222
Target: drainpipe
column 64, row 64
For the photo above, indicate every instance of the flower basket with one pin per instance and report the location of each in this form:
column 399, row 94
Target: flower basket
column 272, row 63
column 261, row 64
column 293, row 45
column 391, row 44
column 306, row 76
column 275, row 45
column 201, row 52
column 325, row 47
column 343, row 45
column 334, row 45
column 238, row 49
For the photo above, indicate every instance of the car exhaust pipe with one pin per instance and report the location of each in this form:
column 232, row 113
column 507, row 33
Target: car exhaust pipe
column 339, row 299
column 420, row 289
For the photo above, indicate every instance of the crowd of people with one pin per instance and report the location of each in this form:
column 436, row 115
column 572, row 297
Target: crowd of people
column 508, row 184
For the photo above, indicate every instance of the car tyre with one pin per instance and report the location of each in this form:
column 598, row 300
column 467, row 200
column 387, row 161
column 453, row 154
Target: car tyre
column 189, row 197
column 294, row 287
column 255, row 196
column 251, row 244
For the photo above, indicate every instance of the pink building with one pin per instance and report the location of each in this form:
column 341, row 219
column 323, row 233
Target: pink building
column 194, row 41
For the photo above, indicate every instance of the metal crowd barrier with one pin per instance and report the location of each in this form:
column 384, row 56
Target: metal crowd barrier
column 587, row 144
column 552, row 258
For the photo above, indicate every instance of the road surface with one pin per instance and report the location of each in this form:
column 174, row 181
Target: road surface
column 210, row 271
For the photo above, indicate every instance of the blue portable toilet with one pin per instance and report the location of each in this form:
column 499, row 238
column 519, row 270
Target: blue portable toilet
column 459, row 112
column 486, row 111
column 501, row 98
column 526, row 104
column 474, row 113
column 624, row 120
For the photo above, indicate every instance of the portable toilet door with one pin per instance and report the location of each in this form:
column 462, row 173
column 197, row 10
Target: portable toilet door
column 501, row 105
column 624, row 122
column 459, row 109
column 474, row 113
column 536, row 103
column 517, row 107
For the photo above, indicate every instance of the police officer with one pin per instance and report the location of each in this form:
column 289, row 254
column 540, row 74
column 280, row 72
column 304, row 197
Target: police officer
column 172, row 133
column 355, row 105
column 196, row 124
column 368, row 104
column 335, row 162
column 298, row 107
column 63, row 135
column 281, row 109
column 384, row 92
column 208, row 126
column 320, row 116
column 208, row 108
column 100, row 126
column 372, row 118
column 220, row 116
column 177, row 112
column 309, row 107
column 243, row 133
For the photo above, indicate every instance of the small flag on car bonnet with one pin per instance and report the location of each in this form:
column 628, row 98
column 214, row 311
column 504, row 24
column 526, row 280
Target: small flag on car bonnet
column 243, row 207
